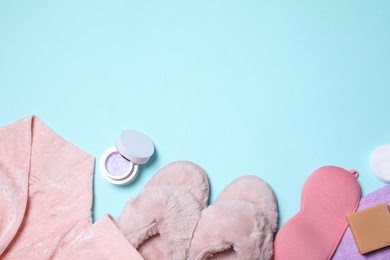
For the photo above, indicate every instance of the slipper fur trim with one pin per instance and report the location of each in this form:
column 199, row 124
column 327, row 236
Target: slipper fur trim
column 255, row 190
column 168, row 211
column 235, row 225
column 242, row 219
column 186, row 175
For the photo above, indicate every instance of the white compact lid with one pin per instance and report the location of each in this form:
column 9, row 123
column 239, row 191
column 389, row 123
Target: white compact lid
column 135, row 146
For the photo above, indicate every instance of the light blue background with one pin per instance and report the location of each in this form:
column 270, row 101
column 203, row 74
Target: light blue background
column 271, row 88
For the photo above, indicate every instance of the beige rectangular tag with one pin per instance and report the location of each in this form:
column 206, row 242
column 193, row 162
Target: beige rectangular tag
column 370, row 228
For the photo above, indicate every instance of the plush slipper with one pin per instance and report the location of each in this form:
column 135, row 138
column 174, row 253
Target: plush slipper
column 186, row 175
column 161, row 220
column 239, row 225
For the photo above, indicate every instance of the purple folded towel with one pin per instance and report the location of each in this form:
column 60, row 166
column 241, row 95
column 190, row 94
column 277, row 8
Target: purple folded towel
column 347, row 248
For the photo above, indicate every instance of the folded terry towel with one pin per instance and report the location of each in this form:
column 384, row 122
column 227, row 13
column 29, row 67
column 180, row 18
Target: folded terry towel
column 347, row 249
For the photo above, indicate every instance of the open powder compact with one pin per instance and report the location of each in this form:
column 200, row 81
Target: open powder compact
column 119, row 164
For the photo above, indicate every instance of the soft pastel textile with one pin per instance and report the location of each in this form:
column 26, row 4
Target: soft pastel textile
column 240, row 224
column 102, row 241
column 161, row 220
column 347, row 249
column 328, row 195
column 46, row 199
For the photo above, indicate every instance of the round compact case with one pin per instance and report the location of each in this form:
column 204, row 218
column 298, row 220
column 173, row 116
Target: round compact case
column 119, row 164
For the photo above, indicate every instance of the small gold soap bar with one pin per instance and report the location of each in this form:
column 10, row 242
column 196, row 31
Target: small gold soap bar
column 370, row 228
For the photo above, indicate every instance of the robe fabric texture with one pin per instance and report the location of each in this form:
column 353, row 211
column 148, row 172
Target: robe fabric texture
column 46, row 199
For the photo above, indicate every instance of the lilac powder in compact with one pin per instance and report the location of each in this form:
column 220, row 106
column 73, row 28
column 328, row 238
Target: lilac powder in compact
column 119, row 164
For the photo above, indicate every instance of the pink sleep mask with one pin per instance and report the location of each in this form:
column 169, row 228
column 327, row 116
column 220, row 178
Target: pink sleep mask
column 328, row 195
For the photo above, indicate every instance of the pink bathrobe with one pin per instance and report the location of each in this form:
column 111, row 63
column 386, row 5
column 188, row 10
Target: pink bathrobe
column 46, row 199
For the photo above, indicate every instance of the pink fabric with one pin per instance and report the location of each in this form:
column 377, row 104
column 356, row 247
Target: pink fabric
column 328, row 195
column 102, row 240
column 240, row 224
column 46, row 198
column 161, row 220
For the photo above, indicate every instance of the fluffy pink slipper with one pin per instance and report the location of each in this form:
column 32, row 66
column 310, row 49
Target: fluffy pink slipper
column 186, row 175
column 161, row 220
column 239, row 225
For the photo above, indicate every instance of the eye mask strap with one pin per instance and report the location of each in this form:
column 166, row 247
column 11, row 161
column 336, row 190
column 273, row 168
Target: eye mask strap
column 354, row 173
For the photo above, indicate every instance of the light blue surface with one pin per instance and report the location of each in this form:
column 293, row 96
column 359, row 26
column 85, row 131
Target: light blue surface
column 270, row 88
